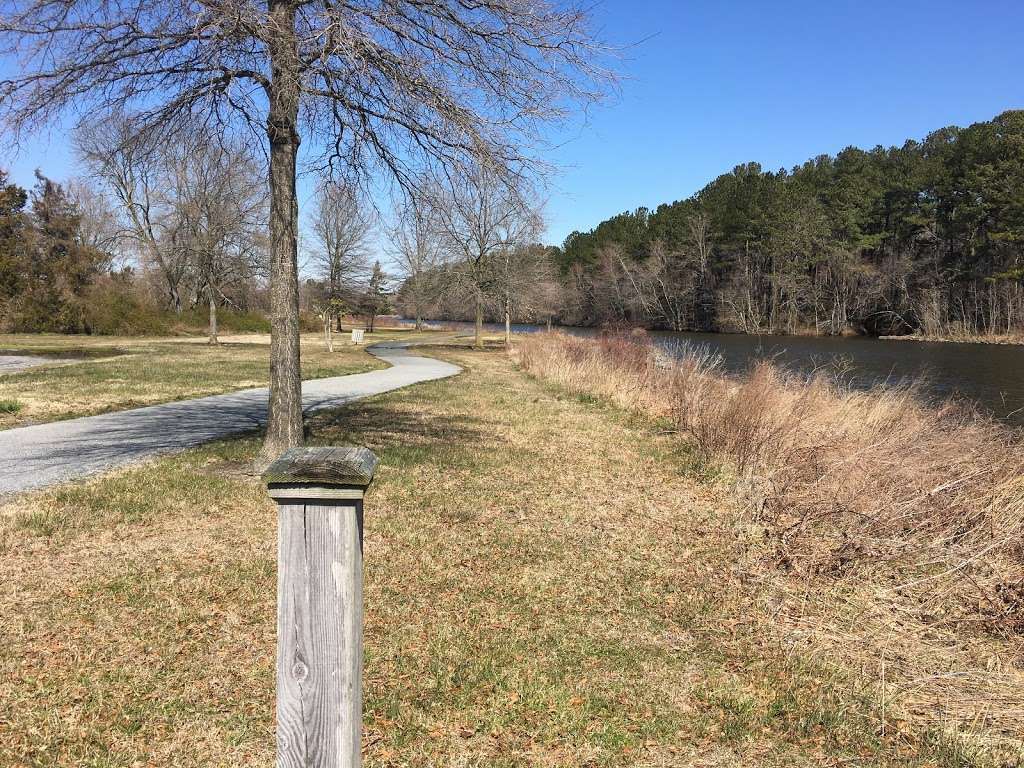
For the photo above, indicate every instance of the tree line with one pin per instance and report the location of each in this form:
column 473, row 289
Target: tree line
column 158, row 234
column 151, row 231
column 461, row 247
column 927, row 237
column 50, row 258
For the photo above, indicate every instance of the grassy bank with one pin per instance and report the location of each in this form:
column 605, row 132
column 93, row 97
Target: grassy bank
column 550, row 580
column 92, row 375
column 894, row 532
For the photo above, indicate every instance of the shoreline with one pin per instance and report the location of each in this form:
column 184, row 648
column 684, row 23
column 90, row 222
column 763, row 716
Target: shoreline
column 833, row 478
column 1001, row 340
column 998, row 341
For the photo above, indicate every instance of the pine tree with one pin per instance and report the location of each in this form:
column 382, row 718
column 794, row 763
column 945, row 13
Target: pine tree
column 377, row 299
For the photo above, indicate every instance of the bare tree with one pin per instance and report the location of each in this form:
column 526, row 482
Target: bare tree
column 220, row 203
column 136, row 175
column 535, row 292
column 417, row 253
column 481, row 217
column 327, row 309
column 376, row 85
column 194, row 210
column 98, row 226
column 521, row 267
column 699, row 228
column 549, row 297
column 342, row 224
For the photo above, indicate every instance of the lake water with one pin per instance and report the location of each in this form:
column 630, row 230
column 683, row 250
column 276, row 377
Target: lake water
column 988, row 374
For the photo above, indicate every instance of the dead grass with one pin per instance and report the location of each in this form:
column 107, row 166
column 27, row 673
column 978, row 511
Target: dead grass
column 897, row 527
column 546, row 585
column 114, row 374
column 965, row 338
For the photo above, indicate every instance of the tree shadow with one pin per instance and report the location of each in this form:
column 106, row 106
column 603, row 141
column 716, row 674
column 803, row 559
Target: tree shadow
column 402, row 435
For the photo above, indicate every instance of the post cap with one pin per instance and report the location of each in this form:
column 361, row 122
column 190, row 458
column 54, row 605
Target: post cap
column 328, row 472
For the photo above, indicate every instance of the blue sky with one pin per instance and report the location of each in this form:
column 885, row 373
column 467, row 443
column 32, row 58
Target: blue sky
column 778, row 82
column 712, row 84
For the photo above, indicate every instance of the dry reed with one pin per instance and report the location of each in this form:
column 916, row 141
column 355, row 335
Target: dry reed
column 898, row 526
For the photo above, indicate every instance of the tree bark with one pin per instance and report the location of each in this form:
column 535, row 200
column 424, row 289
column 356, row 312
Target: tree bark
column 328, row 339
column 508, row 326
column 419, row 322
column 213, row 317
column 284, row 416
column 479, row 338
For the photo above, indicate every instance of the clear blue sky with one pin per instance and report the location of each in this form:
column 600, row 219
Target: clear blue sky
column 709, row 85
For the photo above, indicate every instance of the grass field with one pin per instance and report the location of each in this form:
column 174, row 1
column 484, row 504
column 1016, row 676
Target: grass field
column 92, row 375
column 550, row 581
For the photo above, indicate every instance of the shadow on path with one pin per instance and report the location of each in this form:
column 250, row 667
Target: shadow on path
column 43, row 454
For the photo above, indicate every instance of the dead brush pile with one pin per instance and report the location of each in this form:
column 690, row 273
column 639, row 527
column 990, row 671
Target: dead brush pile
column 899, row 525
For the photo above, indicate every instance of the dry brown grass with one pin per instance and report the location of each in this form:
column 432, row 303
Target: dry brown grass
column 547, row 584
column 898, row 526
column 965, row 338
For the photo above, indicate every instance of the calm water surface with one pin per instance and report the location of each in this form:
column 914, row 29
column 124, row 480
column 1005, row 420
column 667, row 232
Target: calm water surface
column 988, row 374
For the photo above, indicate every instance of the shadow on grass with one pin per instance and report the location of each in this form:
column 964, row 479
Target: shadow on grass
column 460, row 345
column 403, row 436
column 67, row 353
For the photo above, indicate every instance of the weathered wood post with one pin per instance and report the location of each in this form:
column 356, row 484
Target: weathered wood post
column 319, row 493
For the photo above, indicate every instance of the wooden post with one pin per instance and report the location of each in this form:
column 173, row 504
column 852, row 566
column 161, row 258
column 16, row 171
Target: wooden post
column 319, row 492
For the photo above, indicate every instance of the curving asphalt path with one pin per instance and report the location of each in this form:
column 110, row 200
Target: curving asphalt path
column 40, row 455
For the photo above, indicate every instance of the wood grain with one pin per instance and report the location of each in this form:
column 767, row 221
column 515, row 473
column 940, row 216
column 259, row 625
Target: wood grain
column 319, row 629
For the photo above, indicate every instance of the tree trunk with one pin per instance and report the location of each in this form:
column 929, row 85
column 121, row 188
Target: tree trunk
column 284, row 416
column 213, row 317
column 419, row 322
column 549, row 323
column 175, row 296
column 478, row 340
column 508, row 326
column 328, row 339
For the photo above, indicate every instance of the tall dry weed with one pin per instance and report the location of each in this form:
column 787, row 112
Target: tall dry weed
column 907, row 517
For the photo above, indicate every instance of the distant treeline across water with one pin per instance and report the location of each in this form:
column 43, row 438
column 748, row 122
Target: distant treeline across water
column 928, row 236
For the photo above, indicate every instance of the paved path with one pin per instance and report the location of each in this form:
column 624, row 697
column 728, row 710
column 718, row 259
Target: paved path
column 15, row 363
column 32, row 457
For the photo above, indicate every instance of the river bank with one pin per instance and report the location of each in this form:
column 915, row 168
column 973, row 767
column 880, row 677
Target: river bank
column 893, row 529
column 997, row 339
column 1009, row 339
column 989, row 377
